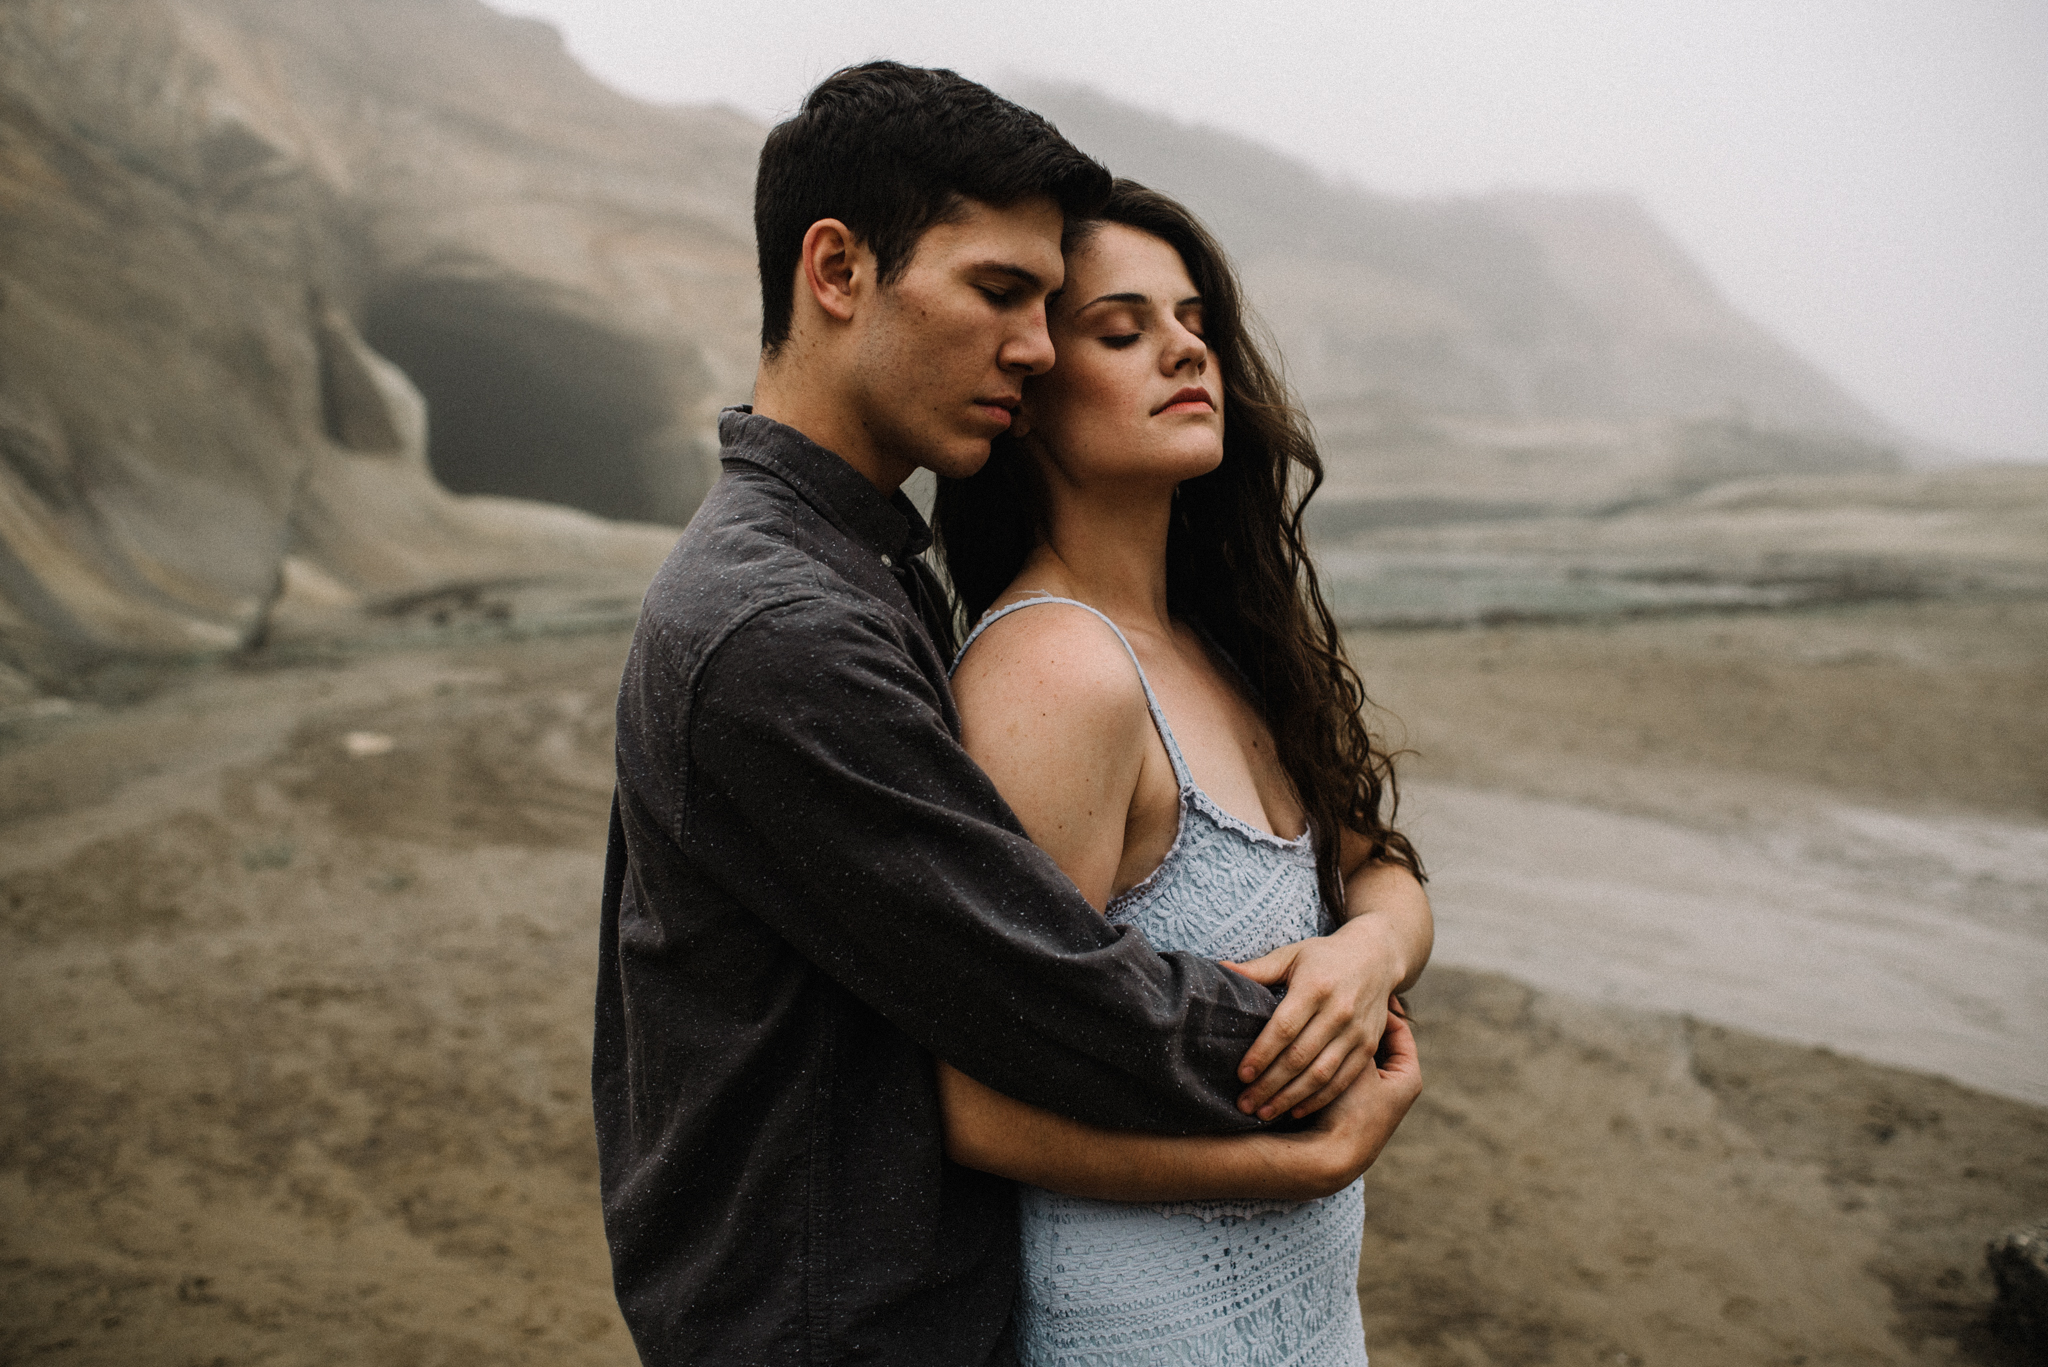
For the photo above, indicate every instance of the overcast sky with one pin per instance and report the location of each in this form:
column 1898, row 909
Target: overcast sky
column 1869, row 178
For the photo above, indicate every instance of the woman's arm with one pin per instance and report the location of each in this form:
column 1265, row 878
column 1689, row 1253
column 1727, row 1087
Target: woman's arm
column 1052, row 711
column 994, row 1133
column 1328, row 1025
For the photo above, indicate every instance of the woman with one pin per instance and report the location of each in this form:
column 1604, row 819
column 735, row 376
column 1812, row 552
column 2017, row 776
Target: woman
column 1160, row 693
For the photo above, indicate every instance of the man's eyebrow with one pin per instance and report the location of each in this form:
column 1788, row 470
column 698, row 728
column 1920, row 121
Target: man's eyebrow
column 1018, row 273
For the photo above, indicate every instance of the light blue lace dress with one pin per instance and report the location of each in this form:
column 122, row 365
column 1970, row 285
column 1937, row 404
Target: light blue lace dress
column 1244, row 1283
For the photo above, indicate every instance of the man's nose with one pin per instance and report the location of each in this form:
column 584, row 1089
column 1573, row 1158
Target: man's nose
column 1028, row 350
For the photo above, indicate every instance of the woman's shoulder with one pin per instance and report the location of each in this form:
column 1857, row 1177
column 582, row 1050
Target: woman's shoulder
column 1055, row 656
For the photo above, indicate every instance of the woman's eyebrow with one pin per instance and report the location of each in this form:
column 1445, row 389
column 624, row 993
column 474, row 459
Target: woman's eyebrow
column 1132, row 298
column 1115, row 299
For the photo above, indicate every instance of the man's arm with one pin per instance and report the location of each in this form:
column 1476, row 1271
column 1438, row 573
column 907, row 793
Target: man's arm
column 827, row 795
column 989, row 1131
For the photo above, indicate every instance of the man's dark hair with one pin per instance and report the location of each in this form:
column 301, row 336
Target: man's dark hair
column 891, row 150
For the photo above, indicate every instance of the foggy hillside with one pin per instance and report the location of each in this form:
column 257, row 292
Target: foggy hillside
column 1513, row 349
column 1516, row 305
column 317, row 317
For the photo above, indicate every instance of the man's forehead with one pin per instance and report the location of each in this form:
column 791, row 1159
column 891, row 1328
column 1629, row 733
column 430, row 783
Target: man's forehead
column 1024, row 235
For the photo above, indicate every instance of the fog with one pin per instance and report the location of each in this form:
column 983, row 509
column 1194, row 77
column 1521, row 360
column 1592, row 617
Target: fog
column 1870, row 181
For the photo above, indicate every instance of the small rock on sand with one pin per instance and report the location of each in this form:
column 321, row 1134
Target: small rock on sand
column 2019, row 1265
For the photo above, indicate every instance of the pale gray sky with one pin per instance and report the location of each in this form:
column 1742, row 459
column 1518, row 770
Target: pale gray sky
column 1869, row 178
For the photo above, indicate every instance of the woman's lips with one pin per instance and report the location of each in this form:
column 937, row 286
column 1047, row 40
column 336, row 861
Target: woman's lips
column 1189, row 400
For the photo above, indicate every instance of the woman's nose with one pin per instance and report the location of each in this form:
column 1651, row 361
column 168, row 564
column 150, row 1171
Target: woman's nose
column 1187, row 350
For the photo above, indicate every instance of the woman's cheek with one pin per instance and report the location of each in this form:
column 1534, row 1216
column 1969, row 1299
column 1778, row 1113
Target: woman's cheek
column 1110, row 395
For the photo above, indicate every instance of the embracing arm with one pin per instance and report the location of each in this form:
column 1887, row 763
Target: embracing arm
column 992, row 1132
column 830, row 800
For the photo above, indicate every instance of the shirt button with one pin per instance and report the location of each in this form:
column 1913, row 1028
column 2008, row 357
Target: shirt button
column 889, row 562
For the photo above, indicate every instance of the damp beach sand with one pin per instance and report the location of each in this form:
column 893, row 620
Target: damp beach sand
column 299, row 961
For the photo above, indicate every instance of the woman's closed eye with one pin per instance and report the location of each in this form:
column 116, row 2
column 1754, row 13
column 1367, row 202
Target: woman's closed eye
column 1120, row 340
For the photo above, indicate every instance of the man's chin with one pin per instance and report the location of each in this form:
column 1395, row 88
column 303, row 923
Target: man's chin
column 958, row 460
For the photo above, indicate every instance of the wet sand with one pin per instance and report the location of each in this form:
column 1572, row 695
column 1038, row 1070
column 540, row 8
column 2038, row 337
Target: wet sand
column 298, row 1028
column 1929, row 706
column 1830, row 827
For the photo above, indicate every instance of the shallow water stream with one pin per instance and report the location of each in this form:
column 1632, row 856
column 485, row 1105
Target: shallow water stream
column 1911, row 940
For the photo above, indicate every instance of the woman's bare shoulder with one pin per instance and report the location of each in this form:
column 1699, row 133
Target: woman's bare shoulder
column 1052, row 658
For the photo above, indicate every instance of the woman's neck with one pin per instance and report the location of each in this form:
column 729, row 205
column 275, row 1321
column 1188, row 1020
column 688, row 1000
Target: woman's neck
column 1109, row 551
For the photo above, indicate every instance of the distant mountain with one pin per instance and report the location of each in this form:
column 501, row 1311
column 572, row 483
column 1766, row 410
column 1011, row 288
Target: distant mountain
column 1497, row 349
column 309, row 309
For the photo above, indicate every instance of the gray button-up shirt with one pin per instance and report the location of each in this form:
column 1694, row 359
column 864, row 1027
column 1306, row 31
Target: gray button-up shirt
column 811, row 892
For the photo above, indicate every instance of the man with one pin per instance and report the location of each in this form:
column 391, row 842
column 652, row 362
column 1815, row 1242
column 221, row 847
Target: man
column 811, row 890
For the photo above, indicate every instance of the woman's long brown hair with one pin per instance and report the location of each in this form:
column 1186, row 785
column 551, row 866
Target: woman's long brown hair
column 1237, row 561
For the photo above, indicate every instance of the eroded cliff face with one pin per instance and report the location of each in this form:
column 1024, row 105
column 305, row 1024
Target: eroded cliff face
column 250, row 251
column 159, row 400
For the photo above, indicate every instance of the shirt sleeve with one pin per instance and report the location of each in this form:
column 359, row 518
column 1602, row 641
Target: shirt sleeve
column 828, row 795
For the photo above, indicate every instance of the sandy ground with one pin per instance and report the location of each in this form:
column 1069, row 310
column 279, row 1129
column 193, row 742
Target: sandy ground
column 299, row 964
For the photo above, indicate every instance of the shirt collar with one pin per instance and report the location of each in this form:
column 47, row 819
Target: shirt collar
column 890, row 525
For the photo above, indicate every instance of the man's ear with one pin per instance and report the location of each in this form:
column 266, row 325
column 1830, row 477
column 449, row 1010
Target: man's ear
column 832, row 264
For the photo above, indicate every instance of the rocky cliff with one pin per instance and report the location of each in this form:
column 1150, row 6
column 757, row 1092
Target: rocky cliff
column 324, row 317
column 259, row 256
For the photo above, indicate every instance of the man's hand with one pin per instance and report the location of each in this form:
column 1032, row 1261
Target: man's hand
column 1348, row 1135
column 1322, row 1037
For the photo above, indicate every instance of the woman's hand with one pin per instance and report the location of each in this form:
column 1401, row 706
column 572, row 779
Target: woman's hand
column 1348, row 1136
column 1324, row 1032
column 1323, row 1035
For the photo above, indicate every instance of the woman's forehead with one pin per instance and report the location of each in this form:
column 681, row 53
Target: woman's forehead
column 1117, row 262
